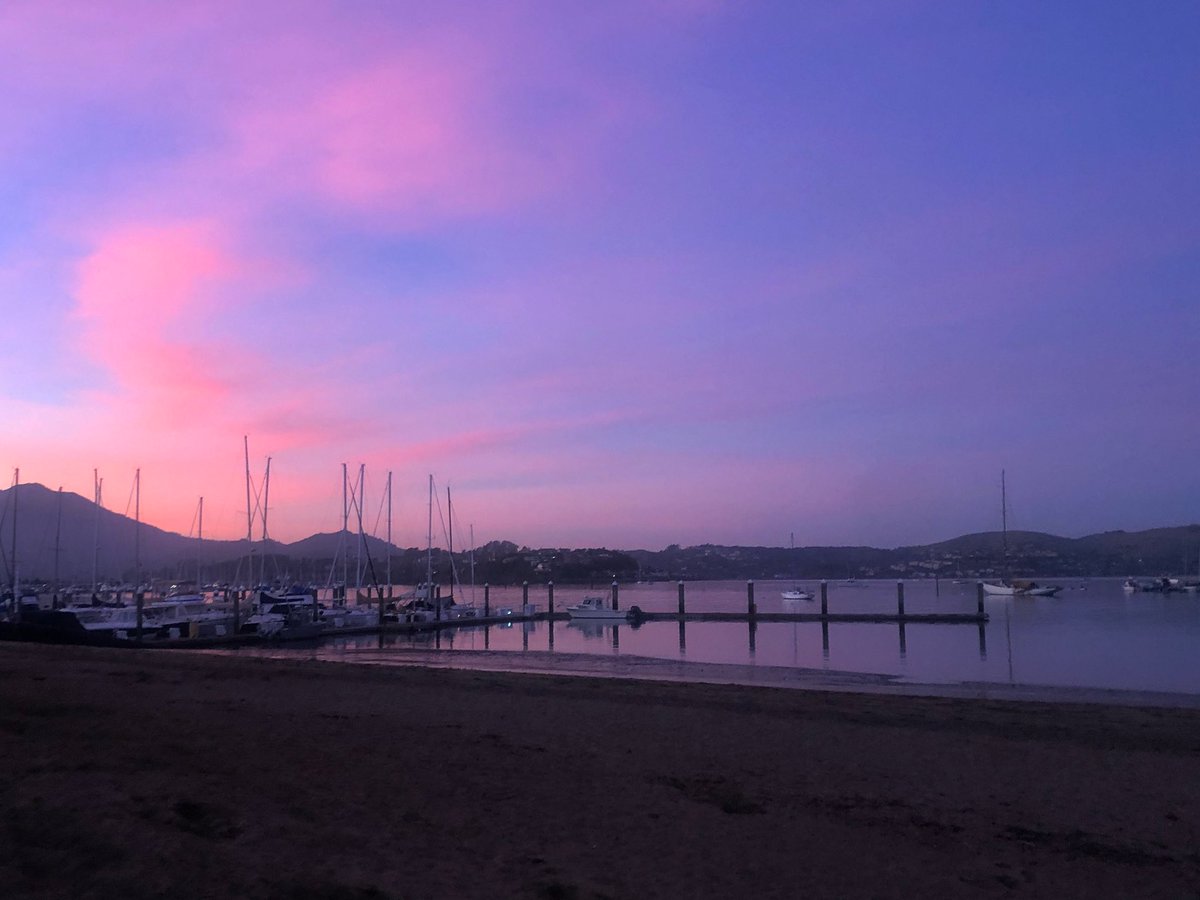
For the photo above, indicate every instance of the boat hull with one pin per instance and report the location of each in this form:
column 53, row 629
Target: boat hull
column 611, row 614
column 999, row 590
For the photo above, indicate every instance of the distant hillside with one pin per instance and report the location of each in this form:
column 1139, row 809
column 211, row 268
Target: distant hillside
column 88, row 537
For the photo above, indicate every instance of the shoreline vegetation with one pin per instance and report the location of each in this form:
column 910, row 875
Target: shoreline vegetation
column 198, row 775
column 125, row 547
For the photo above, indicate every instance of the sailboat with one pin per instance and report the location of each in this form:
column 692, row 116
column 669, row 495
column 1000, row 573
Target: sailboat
column 1007, row 587
column 796, row 593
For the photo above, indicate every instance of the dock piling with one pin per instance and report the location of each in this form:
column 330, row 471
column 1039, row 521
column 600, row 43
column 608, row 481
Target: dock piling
column 682, row 610
column 900, row 597
column 487, row 600
column 750, row 610
column 614, row 597
column 824, row 597
column 525, row 598
column 550, row 602
column 979, row 596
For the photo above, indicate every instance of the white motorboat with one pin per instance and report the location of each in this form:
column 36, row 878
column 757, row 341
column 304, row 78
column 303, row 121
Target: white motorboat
column 595, row 608
column 187, row 615
column 999, row 590
column 797, row 594
column 1036, row 591
column 1020, row 589
column 349, row 617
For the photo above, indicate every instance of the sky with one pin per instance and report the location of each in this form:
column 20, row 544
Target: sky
column 618, row 274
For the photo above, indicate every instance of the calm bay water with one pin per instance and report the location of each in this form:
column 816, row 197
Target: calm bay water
column 1093, row 635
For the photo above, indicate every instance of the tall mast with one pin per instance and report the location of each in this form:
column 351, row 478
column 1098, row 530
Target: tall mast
column 472, row 563
column 450, row 540
column 200, row 550
column 249, row 516
column 137, row 532
column 16, row 599
column 57, row 538
column 389, row 535
column 97, row 485
column 1004, row 513
column 266, row 496
column 362, row 474
column 429, row 548
column 345, row 531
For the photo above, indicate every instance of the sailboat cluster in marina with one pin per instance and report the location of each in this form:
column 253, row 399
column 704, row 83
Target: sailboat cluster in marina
column 193, row 611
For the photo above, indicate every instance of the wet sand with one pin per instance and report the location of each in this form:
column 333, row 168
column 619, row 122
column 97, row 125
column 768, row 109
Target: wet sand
column 157, row 773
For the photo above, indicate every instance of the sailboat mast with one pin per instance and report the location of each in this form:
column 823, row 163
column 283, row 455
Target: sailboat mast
column 345, row 530
column 429, row 548
column 249, row 515
column 97, row 484
column 15, row 599
column 200, row 549
column 389, row 535
column 1004, row 513
column 262, row 578
column 362, row 477
column 57, row 539
column 137, row 547
column 137, row 532
column 450, row 540
column 472, row 562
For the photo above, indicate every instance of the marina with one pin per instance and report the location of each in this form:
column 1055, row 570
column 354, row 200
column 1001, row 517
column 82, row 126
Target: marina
column 1090, row 634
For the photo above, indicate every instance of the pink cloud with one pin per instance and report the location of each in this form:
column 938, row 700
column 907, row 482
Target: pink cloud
column 137, row 295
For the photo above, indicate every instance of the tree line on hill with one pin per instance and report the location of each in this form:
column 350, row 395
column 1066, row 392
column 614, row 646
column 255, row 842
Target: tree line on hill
column 67, row 538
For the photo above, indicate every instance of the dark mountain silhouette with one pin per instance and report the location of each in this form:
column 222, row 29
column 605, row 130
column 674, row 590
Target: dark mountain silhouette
column 87, row 538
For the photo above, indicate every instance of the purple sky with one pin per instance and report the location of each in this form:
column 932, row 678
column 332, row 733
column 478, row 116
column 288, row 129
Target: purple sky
column 622, row 273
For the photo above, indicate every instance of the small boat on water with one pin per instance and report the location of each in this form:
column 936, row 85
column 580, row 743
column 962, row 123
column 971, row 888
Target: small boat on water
column 797, row 594
column 1036, row 591
column 1020, row 589
column 595, row 608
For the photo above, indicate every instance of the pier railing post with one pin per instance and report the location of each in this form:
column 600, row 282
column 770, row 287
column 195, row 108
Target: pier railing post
column 900, row 598
column 615, row 600
column 487, row 599
column 525, row 598
column 824, row 597
column 682, row 608
column 550, row 598
column 979, row 597
column 750, row 611
column 237, row 612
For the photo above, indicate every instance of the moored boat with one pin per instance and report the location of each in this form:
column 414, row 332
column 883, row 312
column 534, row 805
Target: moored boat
column 595, row 608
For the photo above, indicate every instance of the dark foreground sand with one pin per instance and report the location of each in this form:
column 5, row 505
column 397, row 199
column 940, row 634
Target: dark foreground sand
column 154, row 773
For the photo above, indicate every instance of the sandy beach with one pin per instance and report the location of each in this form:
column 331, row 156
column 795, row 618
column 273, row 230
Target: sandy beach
column 155, row 773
